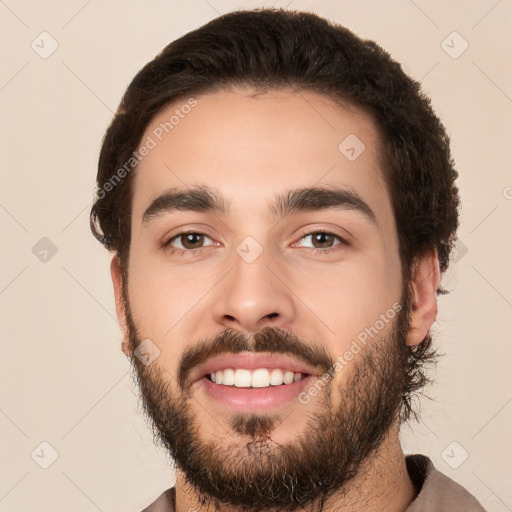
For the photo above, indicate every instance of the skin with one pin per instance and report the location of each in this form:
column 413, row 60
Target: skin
column 251, row 148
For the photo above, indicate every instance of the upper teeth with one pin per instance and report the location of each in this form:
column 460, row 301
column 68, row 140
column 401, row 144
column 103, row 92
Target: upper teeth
column 259, row 378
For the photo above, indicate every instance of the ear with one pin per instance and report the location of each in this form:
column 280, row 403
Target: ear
column 117, row 281
column 426, row 276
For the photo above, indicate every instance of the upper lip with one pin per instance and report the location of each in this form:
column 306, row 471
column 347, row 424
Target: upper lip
column 250, row 361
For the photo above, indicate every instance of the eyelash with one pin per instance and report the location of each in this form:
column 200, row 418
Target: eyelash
column 190, row 252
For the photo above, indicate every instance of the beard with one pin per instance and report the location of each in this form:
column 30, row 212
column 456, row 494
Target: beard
column 247, row 469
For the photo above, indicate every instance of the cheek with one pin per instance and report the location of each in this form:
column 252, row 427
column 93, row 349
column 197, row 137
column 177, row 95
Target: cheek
column 156, row 303
column 149, row 296
column 156, row 310
column 168, row 303
column 349, row 298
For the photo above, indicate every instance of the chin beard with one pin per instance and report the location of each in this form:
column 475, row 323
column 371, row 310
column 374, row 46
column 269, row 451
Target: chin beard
column 243, row 466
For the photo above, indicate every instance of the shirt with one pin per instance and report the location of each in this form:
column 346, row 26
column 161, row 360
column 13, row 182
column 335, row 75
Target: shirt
column 435, row 492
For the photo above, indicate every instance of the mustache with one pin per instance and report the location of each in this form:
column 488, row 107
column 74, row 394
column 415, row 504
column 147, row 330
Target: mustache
column 270, row 339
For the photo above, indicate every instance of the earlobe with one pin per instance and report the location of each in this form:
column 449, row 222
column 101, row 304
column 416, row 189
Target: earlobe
column 426, row 276
column 117, row 281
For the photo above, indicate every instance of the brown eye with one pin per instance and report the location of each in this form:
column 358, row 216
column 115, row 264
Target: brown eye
column 319, row 240
column 189, row 241
column 322, row 240
column 192, row 240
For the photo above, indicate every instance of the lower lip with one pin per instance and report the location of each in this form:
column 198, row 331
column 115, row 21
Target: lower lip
column 255, row 399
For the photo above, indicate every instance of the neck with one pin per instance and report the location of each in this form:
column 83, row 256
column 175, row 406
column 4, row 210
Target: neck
column 381, row 485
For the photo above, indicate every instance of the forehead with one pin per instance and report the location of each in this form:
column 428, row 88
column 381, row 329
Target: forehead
column 252, row 147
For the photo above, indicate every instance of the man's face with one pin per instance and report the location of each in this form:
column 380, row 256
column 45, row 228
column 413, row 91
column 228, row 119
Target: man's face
column 278, row 278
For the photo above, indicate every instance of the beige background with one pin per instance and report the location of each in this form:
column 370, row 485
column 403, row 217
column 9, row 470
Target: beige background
column 64, row 380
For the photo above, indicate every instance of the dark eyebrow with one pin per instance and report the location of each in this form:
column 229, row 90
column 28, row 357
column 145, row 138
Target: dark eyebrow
column 206, row 199
column 320, row 198
column 198, row 199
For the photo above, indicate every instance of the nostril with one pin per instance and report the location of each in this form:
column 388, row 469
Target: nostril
column 272, row 315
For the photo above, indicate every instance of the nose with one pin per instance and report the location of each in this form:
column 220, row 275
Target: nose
column 253, row 296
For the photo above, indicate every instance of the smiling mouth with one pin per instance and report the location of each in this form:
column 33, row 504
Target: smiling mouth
column 257, row 378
